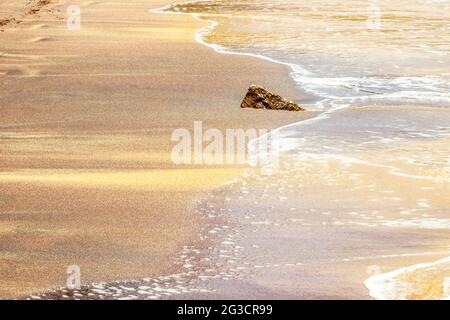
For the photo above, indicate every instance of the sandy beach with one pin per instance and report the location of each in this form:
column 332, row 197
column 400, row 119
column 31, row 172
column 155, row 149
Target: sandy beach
column 356, row 209
column 86, row 119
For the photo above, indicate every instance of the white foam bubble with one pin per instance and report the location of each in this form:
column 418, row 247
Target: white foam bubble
column 388, row 286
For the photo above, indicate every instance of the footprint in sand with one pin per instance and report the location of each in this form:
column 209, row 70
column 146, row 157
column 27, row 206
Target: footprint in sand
column 90, row 3
column 8, row 22
column 41, row 39
column 39, row 26
column 14, row 57
column 17, row 70
column 14, row 72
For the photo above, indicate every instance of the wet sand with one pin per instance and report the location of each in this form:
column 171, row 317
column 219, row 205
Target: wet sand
column 86, row 120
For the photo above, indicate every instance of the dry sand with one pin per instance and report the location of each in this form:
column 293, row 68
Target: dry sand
column 86, row 119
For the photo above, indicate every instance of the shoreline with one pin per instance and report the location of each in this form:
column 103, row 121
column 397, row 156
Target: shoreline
column 211, row 24
column 401, row 269
column 93, row 134
column 261, row 237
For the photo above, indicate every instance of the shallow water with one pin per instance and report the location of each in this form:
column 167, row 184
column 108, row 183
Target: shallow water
column 381, row 73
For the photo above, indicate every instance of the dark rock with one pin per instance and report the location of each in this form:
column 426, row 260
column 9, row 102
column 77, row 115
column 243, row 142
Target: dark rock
column 260, row 98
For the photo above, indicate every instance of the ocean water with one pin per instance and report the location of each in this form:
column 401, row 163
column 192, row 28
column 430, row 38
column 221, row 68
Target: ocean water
column 353, row 52
column 380, row 74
